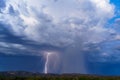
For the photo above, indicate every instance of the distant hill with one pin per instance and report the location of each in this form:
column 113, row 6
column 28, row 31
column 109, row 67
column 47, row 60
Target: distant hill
column 22, row 75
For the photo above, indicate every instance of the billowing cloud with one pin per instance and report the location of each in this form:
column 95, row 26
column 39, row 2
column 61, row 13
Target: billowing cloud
column 70, row 20
column 73, row 27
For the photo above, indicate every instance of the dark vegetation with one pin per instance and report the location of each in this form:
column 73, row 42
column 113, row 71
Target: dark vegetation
column 21, row 75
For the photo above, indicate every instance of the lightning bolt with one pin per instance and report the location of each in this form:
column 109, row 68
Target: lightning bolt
column 47, row 61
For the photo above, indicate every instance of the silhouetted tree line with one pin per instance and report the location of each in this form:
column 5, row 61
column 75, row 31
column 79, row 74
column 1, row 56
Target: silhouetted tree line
column 22, row 75
column 59, row 78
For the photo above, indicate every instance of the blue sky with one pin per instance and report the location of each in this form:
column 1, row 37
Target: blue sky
column 117, row 9
column 60, row 36
column 116, row 3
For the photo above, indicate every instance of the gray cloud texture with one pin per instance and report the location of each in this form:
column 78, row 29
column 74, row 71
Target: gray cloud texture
column 70, row 25
column 59, row 23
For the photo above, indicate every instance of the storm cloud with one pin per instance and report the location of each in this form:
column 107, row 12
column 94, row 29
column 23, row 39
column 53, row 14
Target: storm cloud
column 71, row 27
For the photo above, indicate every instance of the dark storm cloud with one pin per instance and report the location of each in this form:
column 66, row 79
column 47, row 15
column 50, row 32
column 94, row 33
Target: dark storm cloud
column 74, row 30
column 2, row 3
column 43, row 25
column 12, row 44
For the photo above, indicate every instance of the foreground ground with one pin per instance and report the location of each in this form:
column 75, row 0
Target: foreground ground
column 37, row 76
